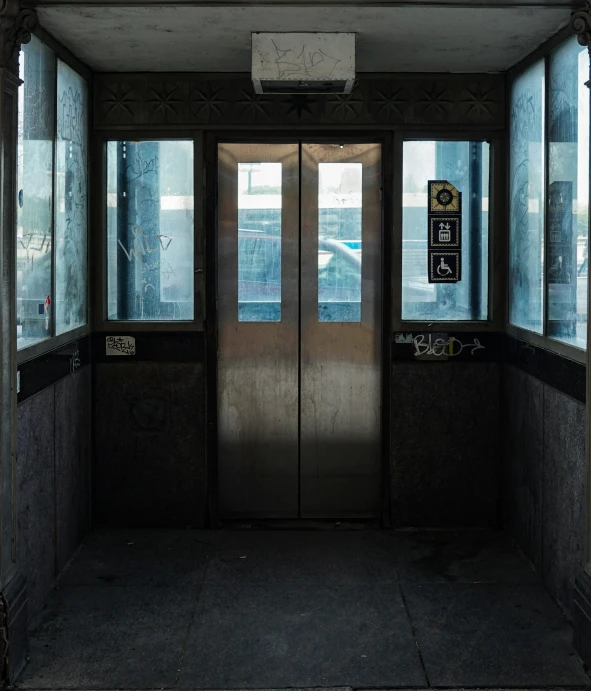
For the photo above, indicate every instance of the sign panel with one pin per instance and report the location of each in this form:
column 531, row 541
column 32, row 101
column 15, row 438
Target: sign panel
column 445, row 267
column 445, row 232
column 444, row 198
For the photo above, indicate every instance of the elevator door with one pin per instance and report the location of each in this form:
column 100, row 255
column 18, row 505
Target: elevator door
column 299, row 330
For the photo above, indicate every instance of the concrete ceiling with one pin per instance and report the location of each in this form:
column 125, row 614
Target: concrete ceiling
column 217, row 38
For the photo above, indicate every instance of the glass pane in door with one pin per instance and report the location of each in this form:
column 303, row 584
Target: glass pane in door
column 259, row 242
column 339, row 242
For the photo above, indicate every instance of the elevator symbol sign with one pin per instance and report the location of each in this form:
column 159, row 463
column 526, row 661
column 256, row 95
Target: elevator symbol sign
column 444, row 245
column 444, row 232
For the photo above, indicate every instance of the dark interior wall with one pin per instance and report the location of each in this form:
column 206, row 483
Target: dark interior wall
column 53, row 478
column 544, row 473
column 149, row 444
column 445, row 469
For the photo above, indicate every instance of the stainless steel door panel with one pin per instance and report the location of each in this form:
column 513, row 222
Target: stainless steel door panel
column 257, row 361
column 340, row 387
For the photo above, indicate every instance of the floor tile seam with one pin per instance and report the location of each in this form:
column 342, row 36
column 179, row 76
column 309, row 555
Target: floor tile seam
column 414, row 635
column 230, row 584
column 162, row 586
column 199, row 591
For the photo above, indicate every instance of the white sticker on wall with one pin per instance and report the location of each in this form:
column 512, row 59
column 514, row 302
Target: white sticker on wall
column 120, row 345
column 18, row 381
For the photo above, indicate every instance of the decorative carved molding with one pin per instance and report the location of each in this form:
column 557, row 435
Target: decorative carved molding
column 220, row 101
column 16, row 26
column 581, row 25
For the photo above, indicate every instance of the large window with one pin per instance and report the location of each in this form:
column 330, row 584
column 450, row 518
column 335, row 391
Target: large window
column 71, row 200
column 51, row 240
column 466, row 166
column 548, row 260
column 150, row 211
column 526, row 200
column 568, row 194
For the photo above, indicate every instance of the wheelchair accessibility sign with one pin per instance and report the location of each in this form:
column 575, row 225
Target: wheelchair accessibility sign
column 444, row 267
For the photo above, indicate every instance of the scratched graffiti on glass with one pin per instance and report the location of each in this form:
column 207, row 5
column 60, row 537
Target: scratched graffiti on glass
column 71, row 201
column 150, row 211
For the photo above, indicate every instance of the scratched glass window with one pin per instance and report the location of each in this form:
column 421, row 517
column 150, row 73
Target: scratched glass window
column 150, row 212
column 526, row 200
column 35, row 196
column 71, row 202
column 339, row 242
column 259, row 242
column 568, row 194
column 465, row 165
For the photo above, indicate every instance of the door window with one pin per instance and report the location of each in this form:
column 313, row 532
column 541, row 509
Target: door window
column 339, row 242
column 259, row 242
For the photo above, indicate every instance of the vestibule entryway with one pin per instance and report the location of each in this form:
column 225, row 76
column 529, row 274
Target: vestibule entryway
column 276, row 273
column 299, row 329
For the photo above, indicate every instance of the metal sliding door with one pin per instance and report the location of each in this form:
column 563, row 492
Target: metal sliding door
column 340, row 390
column 299, row 335
column 258, row 313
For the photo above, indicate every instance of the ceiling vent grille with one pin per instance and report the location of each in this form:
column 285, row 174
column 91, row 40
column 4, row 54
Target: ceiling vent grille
column 305, row 63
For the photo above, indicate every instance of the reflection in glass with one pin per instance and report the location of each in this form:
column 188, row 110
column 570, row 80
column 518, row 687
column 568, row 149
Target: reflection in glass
column 568, row 194
column 259, row 242
column 35, row 192
column 150, row 211
column 526, row 200
column 466, row 166
column 71, row 203
column 339, row 241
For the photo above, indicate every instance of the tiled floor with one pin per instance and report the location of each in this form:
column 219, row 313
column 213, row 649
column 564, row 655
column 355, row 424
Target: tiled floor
column 254, row 609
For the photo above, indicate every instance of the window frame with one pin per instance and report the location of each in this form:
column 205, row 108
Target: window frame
column 496, row 276
column 53, row 342
column 543, row 340
column 101, row 323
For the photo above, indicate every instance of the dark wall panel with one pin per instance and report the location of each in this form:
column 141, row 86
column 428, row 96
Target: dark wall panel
column 53, row 474
column 149, row 444
column 544, row 478
column 72, row 463
column 445, row 444
column 564, row 493
column 523, row 459
column 36, row 494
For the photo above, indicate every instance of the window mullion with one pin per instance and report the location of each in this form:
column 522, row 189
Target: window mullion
column 55, row 210
column 545, row 135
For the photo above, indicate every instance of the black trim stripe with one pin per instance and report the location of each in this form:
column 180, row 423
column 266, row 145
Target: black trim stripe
column 43, row 371
column 555, row 370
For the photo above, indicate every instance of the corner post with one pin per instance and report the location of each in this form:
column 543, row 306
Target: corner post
column 16, row 25
column 581, row 26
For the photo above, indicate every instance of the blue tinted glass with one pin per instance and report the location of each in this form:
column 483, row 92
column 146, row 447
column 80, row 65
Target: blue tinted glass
column 259, row 242
column 339, row 242
column 568, row 194
column 466, row 166
column 71, row 204
column 526, row 201
column 35, row 193
column 150, row 221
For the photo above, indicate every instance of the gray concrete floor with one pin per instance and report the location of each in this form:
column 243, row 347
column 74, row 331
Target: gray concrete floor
column 256, row 609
